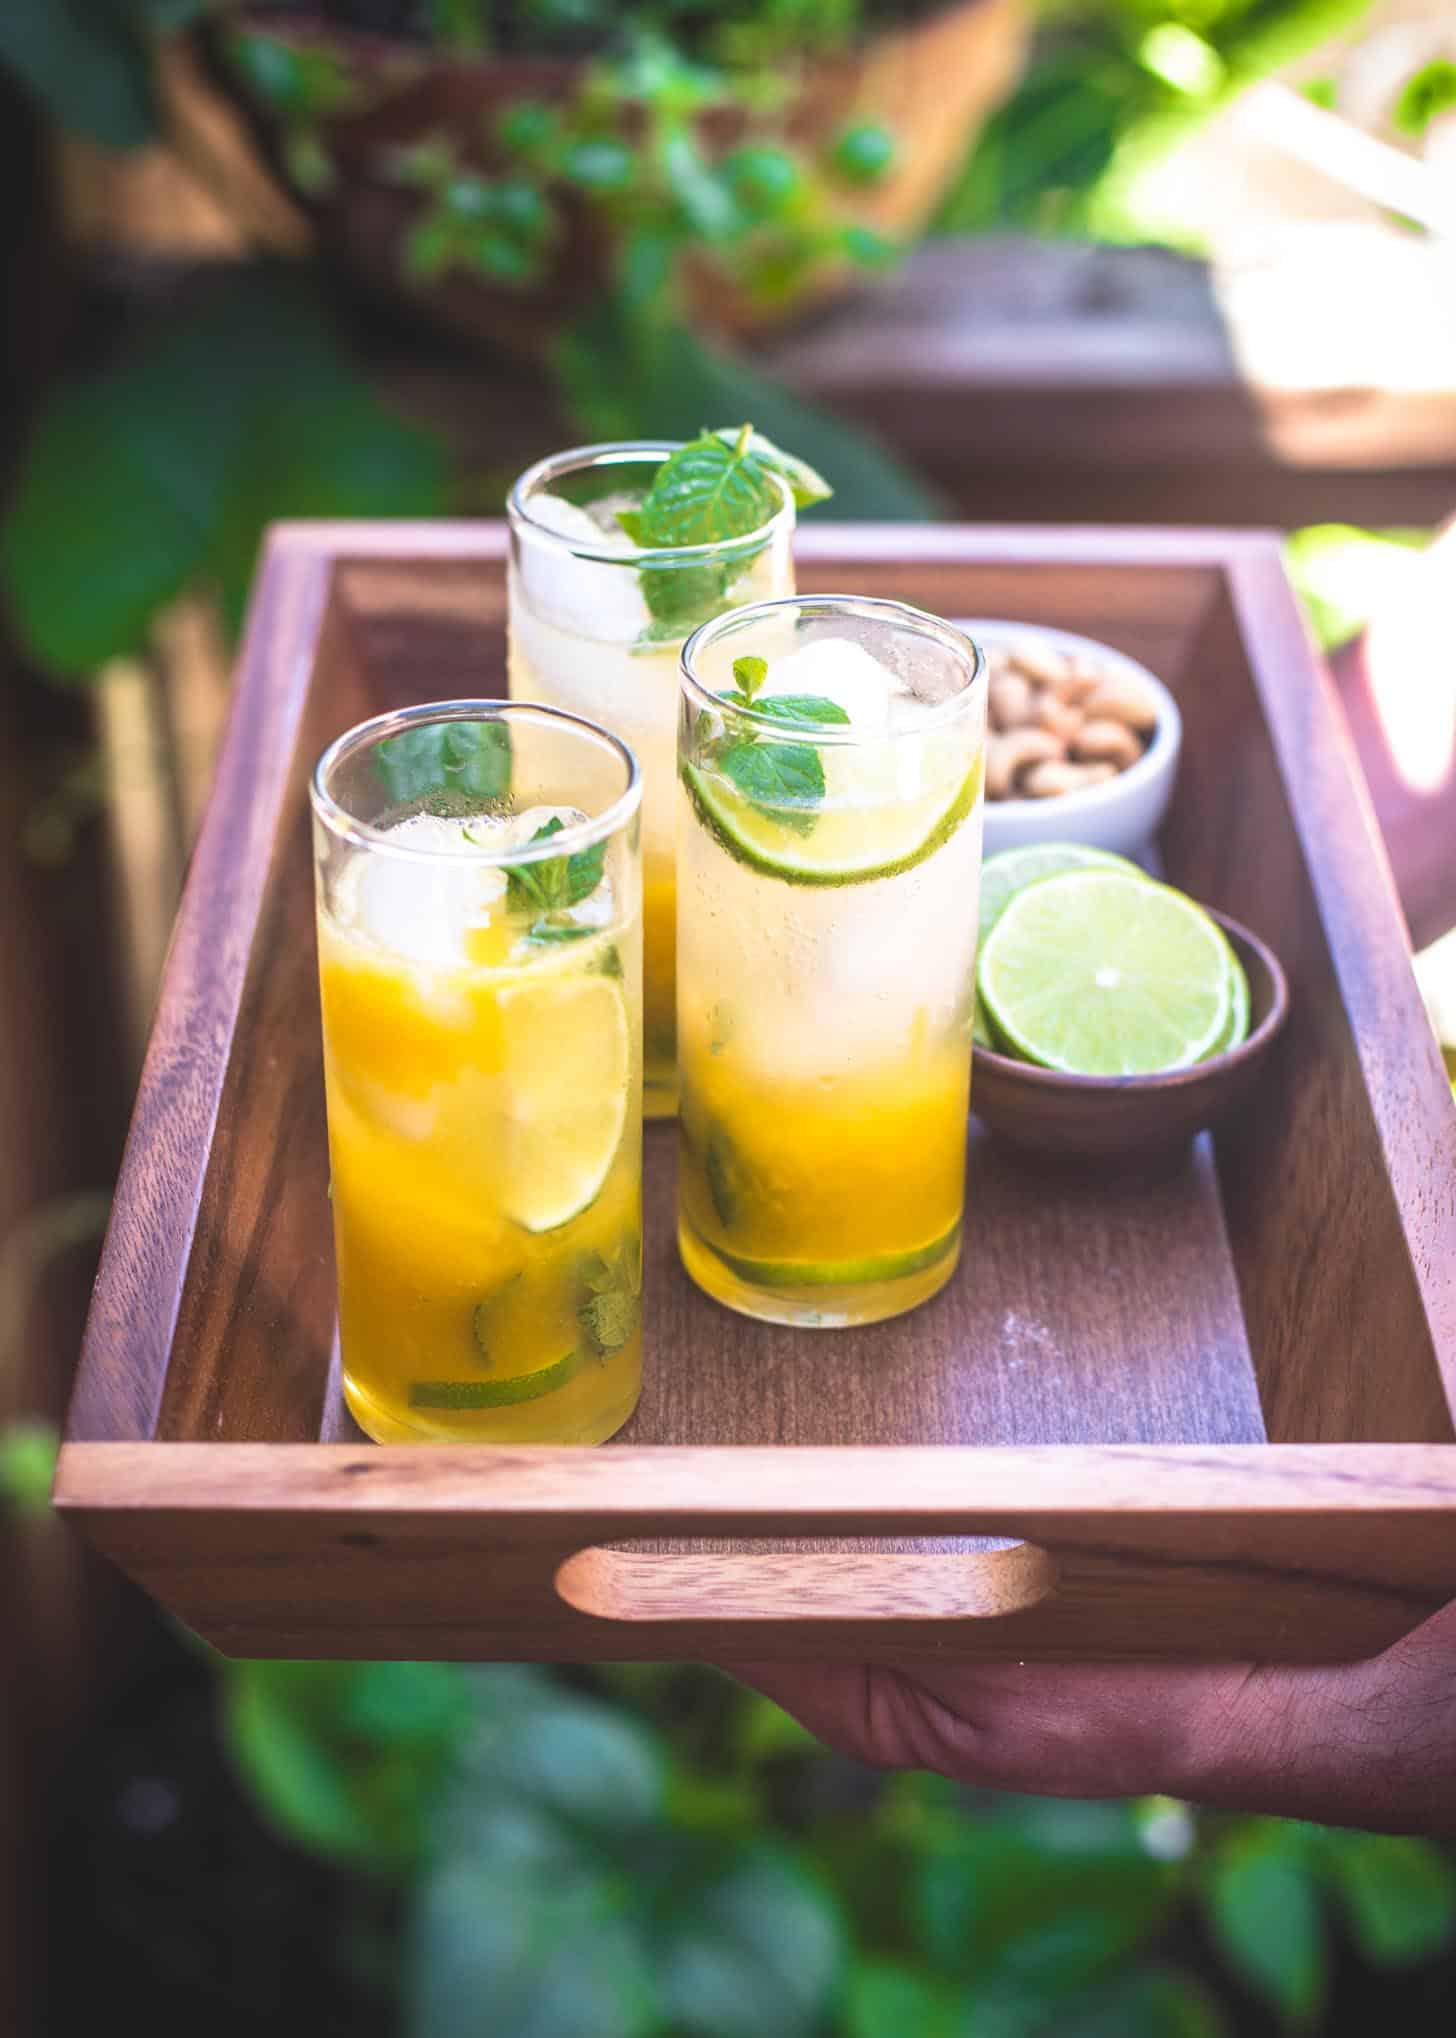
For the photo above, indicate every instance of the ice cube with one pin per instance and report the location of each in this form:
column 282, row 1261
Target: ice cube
column 422, row 907
column 593, row 598
column 570, row 520
column 837, row 669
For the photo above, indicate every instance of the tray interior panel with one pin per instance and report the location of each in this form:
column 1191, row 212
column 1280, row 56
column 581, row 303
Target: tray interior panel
column 1102, row 1310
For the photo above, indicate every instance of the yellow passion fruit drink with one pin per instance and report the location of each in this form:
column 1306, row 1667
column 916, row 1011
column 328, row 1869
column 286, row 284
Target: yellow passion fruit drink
column 831, row 764
column 480, row 968
column 618, row 553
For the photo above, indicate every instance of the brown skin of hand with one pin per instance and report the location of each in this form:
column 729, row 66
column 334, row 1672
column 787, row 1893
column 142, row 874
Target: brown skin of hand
column 1369, row 1744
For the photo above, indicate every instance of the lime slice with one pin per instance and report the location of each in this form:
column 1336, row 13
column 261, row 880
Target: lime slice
column 1100, row 974
column 845, row 846
column 838, row 1273
column 567, row 1069
column 1238, row 1019
column 493, row 1393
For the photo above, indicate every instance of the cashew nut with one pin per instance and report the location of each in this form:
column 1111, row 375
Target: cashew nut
column 1045, row 781
column 1120, row 699
column 1009, row 755
column 1106, row 742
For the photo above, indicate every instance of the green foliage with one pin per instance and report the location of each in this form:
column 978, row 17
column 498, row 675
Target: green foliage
column 625, row 377
column 347, row 1758
column 27, row 1466
column 1430, row 93
column 1343, row 575
column 1113, row 84
column 90, row 61
column 1264, row 1907
column 164, row 471
column 604, row 1864
column 1399, row 1895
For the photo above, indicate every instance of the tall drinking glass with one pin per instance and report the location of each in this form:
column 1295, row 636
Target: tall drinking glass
column 832, row 752
column 596, row 626
column 479, row 930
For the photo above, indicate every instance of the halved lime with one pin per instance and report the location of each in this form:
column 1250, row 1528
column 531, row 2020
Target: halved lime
column 838, row 1273
column 1004, row 874
column 845, row 846
column 1098, row 973
column 566, row 1070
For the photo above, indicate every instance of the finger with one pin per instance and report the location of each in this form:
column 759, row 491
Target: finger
column 1055, row 1729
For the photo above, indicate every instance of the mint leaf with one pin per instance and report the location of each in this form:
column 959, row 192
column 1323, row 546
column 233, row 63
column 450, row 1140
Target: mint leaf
column 780, row 776
column 706, row 491
column 800, row 707
column 806, row 484
column 750, row 674
column 608, row 1320
column 631, row 522
column 472, row 758
column 609, row 1315
column 557, row 930
column 680, row 597
column 559, row 881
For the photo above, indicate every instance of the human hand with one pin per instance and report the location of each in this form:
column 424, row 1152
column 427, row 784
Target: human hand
column 1369, row 1744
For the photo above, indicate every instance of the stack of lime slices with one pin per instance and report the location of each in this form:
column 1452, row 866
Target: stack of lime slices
column 1088, row 966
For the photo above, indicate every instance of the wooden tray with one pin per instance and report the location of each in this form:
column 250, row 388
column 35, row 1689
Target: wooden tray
column 1213, row 1410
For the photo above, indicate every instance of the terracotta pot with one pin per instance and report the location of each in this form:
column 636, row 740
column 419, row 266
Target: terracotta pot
column 933, row 84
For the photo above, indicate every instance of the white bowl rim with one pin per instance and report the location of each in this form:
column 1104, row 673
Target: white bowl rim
column 1160, row 755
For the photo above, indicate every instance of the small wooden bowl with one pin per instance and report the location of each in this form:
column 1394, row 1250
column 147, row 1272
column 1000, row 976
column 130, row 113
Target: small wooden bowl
column 1095, row 1116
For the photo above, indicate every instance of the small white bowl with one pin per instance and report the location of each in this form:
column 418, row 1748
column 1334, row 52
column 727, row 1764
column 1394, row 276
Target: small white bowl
column 1122, row 814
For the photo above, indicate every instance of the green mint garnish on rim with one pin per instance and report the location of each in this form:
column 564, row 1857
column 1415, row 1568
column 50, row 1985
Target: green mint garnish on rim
column 717, row 488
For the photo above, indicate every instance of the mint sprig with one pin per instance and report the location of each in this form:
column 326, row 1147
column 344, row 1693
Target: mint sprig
column 613, row 1290
column 786, row 778
column 716, row 488
column 557, row 881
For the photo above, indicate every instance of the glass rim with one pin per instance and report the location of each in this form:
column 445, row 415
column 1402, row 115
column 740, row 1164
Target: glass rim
column 878, row 608
column 395, row 721
column 623, row 453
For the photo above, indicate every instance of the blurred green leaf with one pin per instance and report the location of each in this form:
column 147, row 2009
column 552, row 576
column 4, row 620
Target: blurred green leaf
column 166, row 470
column 28, row 1465
column 1151, row 2003
column 596, row 1770
column 1431, row 92
column 1399, row 1894
column 489, row 1954
column 864, row 153
column 994, row 1905
column 89, row 62
column 624, row 378
column 1343, row 575
column 328, row 1770
column 1264, row 1908
column 757, row 1948
column 886, row 2001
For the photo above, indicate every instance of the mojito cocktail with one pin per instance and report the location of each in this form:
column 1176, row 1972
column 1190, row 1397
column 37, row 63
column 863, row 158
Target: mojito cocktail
column 831, row 762
column 598, row 615
column 480, row 962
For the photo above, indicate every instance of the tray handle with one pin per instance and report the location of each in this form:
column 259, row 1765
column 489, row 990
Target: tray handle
column 810, row 1585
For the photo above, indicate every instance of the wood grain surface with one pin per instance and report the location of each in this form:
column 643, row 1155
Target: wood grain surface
column 1294, row 1279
